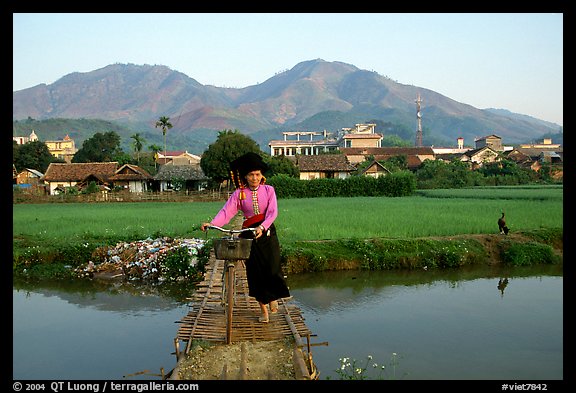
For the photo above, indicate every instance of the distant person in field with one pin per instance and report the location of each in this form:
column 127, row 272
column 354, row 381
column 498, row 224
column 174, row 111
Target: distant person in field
column 258, row 203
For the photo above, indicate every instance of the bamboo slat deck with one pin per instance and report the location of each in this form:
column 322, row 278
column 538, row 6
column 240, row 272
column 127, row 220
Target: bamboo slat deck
column 206, row 319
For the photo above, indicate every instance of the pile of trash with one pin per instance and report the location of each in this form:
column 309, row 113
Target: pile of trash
column 141, row 259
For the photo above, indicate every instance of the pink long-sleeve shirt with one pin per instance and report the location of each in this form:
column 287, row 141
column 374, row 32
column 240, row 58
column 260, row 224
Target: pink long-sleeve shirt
column 267, row 204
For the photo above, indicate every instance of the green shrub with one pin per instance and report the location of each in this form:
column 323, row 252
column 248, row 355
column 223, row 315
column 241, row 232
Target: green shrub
column 397, row 184
column 523, row 254
column 180, row 264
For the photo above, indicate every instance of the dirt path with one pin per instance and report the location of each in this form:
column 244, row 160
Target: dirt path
column 262, row 360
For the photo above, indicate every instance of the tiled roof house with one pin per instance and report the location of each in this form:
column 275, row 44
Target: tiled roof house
column 59, row 175
column 415, row 156
column 132, row 178
column 193, row 176
column 324, row 166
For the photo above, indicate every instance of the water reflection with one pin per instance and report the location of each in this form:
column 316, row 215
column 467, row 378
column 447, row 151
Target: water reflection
column 451, row 326
column 443, row 324
column 110, row 295
column 341, row 287
column 502, row 284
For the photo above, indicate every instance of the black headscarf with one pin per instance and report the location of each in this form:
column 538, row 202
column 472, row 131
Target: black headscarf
column 243, row 165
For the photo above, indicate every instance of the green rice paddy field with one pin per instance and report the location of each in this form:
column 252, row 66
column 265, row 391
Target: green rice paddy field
column 427, row 213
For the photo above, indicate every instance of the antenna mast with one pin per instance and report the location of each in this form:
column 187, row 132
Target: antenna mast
column 419, row 116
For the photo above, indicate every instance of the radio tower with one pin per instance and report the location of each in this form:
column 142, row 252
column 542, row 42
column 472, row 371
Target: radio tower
column 419, row 116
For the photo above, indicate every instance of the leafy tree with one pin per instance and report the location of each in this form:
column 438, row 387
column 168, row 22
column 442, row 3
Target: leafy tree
column 440, row 174
column 395, row 141
column 102, row 147
column 138, row 144
column 282, row 165
column 506, row 172
column 229, row 145
column 32, row 155
column 164, row 123
column 395, row 163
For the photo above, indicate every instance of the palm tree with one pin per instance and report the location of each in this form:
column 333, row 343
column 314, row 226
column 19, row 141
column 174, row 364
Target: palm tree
column 155, row 149
column 138, row 144
column 164, row 123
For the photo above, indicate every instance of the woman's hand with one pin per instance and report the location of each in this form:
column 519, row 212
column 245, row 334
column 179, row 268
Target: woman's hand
column 204, row 226
column 259, row 231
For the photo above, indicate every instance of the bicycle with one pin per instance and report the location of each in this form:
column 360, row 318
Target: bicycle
column 232, row 249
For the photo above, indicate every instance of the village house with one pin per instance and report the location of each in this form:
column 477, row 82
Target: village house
column 478, row 157
column 60, row 176
column 362, row 135
column 131, row 178
column 303, row 146
column 179, row 169
column 179, row 157
column 21, row 140
column 492, row 141
column 29, row 180
column 191, row 177
column 375, row 169
column 324, row 166
column 415, row 156
column 63, row 149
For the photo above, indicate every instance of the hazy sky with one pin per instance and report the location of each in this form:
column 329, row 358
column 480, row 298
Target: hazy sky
column 487, row 60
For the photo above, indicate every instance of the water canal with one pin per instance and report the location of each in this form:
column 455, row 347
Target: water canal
column 459, row 324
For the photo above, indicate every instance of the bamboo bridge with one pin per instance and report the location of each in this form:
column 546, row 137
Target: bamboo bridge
column 206, row 320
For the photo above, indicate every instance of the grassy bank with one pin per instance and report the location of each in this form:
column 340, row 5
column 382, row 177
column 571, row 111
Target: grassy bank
column 317, row 233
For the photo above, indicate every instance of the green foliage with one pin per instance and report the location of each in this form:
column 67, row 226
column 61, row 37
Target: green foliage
column 315, row 233
column 32, row 155
column 281, row 165
column 51, row 262
column 521, row 254
column 396, row 163
column 178, row 183
column 73, row 190
column 229, row 145
column 388, row 254
column 91, row 188
column 396, row 184
column 440, row 174
column 551, row 236
column 44, row 271
column 436, row 174
column 506, row 172
column 76, row 254
column 177, row 265
column 395, row 134
column 396, row 141
column 102, row 147
column 138, row 144
column 164, row 123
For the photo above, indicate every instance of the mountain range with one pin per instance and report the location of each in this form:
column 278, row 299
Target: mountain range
column 314, row 95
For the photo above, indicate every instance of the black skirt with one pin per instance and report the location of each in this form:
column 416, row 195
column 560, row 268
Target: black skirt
column 263, row 270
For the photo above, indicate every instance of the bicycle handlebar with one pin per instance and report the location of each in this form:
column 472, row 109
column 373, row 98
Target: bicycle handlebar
column 231, row 231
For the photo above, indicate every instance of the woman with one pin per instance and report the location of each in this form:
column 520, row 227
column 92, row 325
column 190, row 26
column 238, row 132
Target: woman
column 258, row 203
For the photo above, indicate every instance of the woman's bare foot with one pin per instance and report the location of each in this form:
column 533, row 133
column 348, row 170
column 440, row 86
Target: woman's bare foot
column 264, row 317
column 273, row 306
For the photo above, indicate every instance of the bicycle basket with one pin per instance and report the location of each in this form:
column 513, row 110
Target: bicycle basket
column 228, row 248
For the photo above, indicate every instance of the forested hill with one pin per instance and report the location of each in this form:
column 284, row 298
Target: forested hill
column 313, row 95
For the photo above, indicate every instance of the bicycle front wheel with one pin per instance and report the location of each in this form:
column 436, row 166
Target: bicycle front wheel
column 230, row 290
